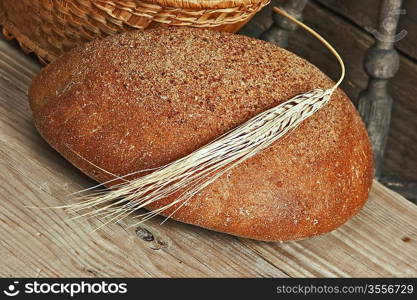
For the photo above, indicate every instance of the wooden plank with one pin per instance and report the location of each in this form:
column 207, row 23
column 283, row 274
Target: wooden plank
column 45, row 242
column 374, row 243
column 367, row 18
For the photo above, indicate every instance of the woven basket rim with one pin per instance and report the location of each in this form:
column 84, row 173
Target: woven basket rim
column 203, row 4
column 227, row 15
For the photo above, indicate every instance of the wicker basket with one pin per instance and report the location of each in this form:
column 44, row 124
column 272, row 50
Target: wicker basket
column 50, row 27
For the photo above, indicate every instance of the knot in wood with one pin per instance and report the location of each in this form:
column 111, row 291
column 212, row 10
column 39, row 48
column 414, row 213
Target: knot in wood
column 144, row 234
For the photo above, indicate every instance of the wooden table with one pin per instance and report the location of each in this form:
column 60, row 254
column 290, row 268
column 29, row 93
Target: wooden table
column 380, row 241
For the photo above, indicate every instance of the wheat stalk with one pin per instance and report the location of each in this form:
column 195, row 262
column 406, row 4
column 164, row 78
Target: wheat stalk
column 187, row 176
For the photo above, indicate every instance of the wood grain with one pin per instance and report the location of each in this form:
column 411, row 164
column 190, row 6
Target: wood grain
column 46, row 242
column 355, row 11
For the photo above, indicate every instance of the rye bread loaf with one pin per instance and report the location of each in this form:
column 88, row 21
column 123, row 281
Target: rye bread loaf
column 143, row 99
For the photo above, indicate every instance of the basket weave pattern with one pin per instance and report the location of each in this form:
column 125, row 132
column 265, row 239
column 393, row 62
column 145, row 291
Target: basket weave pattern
column 51, row 27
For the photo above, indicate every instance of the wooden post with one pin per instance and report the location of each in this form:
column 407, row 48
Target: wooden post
column 381, row 64
column 281, row 28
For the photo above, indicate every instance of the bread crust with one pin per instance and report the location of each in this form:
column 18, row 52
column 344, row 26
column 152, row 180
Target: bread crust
column 142, row 99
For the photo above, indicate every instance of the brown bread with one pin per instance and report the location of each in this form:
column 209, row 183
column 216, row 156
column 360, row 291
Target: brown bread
column 142, row 99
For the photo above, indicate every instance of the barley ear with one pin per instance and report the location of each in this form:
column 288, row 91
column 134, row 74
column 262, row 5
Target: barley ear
column 189, row 175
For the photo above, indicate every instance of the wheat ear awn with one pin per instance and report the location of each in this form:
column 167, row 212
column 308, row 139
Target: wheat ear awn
column 187, row 176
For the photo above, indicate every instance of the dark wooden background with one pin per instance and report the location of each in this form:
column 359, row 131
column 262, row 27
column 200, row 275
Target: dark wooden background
column 344, row 24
